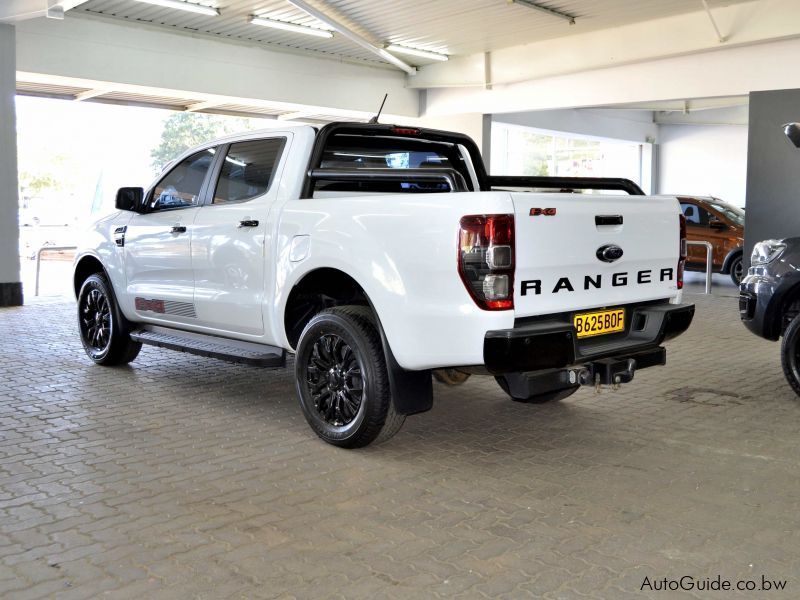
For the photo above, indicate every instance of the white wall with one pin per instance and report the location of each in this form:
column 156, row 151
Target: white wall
column 631, row 125
column 475, row 125
column 729, row 71
column 703, row 160
column 628, row 125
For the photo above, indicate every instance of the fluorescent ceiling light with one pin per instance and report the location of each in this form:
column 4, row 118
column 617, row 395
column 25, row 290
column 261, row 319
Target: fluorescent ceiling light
column 293, row 27
column 417, row 52
column 188, row 6
column 236, row 162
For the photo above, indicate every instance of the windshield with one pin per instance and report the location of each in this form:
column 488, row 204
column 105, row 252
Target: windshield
column 734, row 213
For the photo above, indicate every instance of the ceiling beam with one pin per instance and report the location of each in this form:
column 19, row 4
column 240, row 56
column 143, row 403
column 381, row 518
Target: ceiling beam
column 688, row 105
column 201, row 105
column 89, row 94
column 583, row 52
column 720, row 37
column 353, row 36
column 12, row 11
column 291, row 116
column 545, row 9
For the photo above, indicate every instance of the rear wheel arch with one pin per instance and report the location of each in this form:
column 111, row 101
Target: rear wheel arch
column 324, row 288
column 316, row 291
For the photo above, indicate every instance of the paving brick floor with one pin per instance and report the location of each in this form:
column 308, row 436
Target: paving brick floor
column 183, row 477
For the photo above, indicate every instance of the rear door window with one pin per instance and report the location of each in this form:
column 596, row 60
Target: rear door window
column 248, row 170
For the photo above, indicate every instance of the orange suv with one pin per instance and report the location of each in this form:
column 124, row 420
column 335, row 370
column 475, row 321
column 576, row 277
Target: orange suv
column 709, row 219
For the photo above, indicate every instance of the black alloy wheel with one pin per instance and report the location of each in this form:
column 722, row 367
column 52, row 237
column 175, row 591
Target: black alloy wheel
column 334, row 377
column 104, row 332
column 737, row 270
column 342, row 379
column 95, row 322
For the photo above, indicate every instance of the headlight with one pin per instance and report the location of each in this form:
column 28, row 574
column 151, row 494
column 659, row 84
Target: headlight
column 765, row 252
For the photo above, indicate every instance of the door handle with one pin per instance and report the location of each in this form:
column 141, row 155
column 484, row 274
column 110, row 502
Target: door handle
column 248, row 223
column 178, row 229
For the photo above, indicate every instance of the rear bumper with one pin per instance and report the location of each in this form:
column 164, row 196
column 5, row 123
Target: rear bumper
column 552, row 343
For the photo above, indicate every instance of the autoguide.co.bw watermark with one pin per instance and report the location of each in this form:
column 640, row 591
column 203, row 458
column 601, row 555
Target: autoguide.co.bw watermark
column 688, row 583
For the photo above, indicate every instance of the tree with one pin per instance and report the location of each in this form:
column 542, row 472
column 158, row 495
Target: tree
column 186, row 129
column 34, row 183
column 47, row 171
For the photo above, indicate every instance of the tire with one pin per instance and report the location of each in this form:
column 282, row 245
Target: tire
column 339, row 350
column 790, row 354
column 104, row 332
column 451, row 377
column 737, row 270
column 538, row 398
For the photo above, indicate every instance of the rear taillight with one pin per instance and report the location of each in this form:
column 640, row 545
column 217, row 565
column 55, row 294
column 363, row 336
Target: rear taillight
column 486, row 259
column 681, row 251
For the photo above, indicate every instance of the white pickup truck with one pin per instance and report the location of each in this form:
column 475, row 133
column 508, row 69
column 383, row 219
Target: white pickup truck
column 379, row 254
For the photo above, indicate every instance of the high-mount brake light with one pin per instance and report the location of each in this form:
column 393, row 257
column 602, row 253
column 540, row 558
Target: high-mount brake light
column 405, row 131
column 486, row 259
column 682, row 252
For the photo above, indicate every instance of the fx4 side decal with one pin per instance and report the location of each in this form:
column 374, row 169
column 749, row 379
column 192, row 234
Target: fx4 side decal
column 143, row 304
column 547, row 212
column 534, row 286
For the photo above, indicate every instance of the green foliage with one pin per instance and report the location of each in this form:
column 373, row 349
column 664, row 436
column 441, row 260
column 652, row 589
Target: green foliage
column 47, row 171
column 186, row 129
column 34, row 183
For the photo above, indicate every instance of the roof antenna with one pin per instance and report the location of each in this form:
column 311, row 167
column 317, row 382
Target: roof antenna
column 374, row 120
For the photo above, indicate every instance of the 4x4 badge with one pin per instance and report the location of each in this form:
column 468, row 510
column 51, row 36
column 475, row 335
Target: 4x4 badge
column 609, row 253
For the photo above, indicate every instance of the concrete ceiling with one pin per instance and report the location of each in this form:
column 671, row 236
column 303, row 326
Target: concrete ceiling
column 455, row 27
column 497, row 48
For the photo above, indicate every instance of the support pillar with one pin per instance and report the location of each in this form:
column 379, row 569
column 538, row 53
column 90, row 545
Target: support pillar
column 10, row 284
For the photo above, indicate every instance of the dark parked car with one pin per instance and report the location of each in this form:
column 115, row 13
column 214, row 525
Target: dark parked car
column 709, row 219
column 769, row 297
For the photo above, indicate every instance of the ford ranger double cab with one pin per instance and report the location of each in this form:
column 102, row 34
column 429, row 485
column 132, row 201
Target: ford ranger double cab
column 378, row 255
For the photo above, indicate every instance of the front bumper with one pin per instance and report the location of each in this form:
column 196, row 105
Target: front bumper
column 551, row 343
column 761, row 297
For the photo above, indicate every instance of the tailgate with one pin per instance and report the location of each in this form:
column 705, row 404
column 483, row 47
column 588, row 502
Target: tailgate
column 558, row 256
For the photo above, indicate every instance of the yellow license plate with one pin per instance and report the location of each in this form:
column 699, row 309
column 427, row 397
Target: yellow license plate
column 599, row 323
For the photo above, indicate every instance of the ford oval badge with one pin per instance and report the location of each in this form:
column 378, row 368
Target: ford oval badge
column 609, row 253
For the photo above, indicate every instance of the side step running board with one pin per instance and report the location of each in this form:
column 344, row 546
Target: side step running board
column 234, row 351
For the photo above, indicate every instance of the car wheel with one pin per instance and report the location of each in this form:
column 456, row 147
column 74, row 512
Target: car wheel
column 342, row 379
column 538, row 398
column 737, row 270
column 104, row 335
column 450, row 376
column 790, row 354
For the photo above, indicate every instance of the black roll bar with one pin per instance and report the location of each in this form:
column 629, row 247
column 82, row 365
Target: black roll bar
column 566, row 183
column 451, row 177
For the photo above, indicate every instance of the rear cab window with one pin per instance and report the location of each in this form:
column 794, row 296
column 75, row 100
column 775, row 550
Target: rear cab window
column 351, row 151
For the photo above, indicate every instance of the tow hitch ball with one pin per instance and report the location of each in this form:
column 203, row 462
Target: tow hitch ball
column 605, row 372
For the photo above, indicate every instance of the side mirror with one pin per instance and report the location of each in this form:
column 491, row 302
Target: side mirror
column 792, row 131
column 130, row 198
